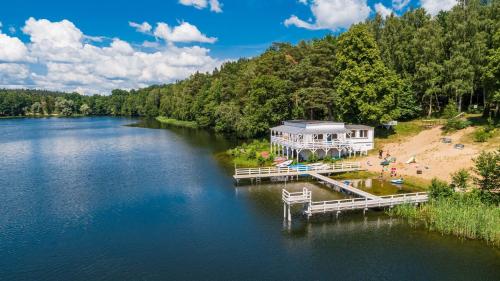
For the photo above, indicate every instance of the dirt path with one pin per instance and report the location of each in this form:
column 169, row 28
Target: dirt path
column 434, row 158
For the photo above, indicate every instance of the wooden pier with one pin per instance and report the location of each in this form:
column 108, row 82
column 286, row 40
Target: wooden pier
column 343, row 186
column 267, row 172
column 364, row 201
column 336, row 206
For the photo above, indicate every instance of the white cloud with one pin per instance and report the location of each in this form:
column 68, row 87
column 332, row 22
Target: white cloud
column 294, row 20
column 12, row 29
column 12, row 49
column 185, row 32
column 400, row 4
column 333, row 14
column 433, row 6
column 141, row 27
column 383, row 10
column 59, row 57
column 215, row 5
column 63, row 34
column 13, row 74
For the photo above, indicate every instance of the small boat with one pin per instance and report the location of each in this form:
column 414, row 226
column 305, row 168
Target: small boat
column 397, row 181
column 300, row 167
column 284, row 164
column 385, row 163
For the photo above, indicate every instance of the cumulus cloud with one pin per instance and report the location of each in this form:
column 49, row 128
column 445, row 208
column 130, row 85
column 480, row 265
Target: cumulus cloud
column 141, row 27
column 434, row 7
column 13, row 74
column 383, row 10
column 215, row 5
column 185, row 32
column 333, row 14
column 400, row 4
column 12, row 49
column 59, row 57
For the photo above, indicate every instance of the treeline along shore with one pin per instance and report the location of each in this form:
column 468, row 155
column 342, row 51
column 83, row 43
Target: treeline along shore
column 393, row 68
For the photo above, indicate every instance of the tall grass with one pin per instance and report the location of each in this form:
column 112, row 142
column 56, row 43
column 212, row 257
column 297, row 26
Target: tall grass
column 177, row 123
column 462, row 215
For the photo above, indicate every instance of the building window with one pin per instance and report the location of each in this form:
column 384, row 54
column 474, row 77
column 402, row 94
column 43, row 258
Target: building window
column 353, row 133
column 363, row 133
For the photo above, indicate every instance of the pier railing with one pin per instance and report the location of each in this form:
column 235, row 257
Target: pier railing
column 365, row 203
column 283, row 171
column 303, row 196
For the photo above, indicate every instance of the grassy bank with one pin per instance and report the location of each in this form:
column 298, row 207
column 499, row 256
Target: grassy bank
column 178, row 123
column 462, row 215
column 252, row 154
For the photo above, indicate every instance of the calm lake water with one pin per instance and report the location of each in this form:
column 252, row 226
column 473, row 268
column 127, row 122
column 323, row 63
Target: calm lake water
column 92, row 199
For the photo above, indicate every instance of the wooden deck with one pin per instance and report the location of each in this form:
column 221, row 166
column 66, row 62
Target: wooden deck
column 343, row 186
column 365, row 203
column 267, row 172
column 336, row 206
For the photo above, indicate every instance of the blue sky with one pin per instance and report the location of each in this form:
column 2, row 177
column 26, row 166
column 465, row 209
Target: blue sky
column 94, row 46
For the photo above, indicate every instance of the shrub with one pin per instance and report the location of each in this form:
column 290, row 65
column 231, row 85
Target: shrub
column 481, row 135
column 455, row 124
column 260, row 160
column 460, row 179
column 450, row 110
column 439, row 189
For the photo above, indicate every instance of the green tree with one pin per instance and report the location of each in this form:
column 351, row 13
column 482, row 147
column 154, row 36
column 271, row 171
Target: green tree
column 487, row 167
column 460, row 179
column 64, row 106
column 85, row 109
column 368, row 90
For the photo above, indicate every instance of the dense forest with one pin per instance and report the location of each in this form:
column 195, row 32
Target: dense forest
column 393, row 68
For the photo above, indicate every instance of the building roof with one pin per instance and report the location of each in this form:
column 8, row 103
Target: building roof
column 358, row 127
column 302, row 130
column 312, row 122
column 317, row 127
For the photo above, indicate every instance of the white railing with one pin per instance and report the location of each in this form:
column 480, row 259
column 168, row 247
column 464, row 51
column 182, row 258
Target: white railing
column 302, row 168
column 362, row 203
column 318, row 144
column 303, row 196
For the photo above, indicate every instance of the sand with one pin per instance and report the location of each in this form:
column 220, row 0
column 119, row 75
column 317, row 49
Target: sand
column 434, row 158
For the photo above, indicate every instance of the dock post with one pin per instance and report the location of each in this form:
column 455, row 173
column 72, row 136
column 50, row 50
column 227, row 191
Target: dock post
column 289, row 214
column 284, row 210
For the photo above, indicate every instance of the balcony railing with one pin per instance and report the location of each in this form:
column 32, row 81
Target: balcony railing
column 315, row 144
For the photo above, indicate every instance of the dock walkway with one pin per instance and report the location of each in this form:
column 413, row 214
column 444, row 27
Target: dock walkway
column 344, row 186
column 267, row 172
column 336, row 206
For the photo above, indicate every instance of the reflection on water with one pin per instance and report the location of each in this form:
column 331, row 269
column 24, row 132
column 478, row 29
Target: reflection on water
column 382, row 187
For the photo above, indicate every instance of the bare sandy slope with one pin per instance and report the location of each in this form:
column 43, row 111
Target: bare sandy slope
column 434, row 158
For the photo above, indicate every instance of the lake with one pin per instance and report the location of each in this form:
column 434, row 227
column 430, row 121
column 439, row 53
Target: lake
column 93, row 199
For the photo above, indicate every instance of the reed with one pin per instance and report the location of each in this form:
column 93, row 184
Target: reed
column 462, row 215
column 177, row 123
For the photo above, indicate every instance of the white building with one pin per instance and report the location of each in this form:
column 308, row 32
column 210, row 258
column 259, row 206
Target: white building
column 301, row 138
